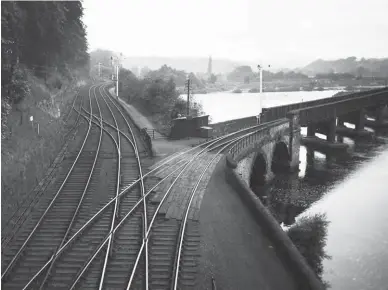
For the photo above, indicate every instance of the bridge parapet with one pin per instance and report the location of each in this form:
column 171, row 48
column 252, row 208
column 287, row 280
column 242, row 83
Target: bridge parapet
column 278, row 112
column 341, row 107
column 263, row 135
column 226, row 127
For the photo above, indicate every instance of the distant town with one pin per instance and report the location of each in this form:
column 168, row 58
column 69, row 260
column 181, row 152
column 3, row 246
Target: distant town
column 245, row 79
column 215, row 75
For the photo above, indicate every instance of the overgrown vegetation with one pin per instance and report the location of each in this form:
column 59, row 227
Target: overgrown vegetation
column 43, row 58
column 309, row 236
column 157, row 98
column 44, row 39
column 179, row 77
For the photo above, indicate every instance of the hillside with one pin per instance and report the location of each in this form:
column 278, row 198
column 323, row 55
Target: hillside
column 362, row 67
column 44, row 61
column 188, row 64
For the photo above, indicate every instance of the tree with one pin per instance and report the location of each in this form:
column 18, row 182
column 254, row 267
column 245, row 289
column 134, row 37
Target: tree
column 360, row 72
column 309, row 236
column 213, row 78
column 45, row 37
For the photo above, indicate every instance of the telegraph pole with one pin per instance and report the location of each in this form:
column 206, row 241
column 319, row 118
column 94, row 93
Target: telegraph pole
column 117, row 81
column 188, row 96
column 261, row 90
column 99, row 69
column 117, row 75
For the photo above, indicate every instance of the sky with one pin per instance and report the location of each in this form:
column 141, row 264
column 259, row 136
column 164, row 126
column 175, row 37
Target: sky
column 285, row 33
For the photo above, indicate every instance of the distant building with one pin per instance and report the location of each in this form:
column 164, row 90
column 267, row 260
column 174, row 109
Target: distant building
column 209, row 67
column 135, row 70
column 222, row 77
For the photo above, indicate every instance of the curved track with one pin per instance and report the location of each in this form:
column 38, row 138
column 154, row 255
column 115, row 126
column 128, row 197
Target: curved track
column 20, row 215
column 103, row 224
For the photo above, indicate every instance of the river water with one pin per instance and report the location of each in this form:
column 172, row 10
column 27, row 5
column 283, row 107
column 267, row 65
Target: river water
column 351, row 189
column 225, row 106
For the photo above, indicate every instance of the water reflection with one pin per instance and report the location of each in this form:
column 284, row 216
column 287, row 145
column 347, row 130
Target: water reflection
column 323, row 177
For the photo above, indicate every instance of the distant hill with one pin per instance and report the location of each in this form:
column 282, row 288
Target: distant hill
column 362, row 67
column 178, row 76
column 188, row 64
column 162, row 71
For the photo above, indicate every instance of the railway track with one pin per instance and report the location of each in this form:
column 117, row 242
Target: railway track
column 19, row 216
column 128, row 243
column 50, row 226
column 168, row 233
column 167, row 245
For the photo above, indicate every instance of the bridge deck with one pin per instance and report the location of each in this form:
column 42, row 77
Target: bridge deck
column 234, row 248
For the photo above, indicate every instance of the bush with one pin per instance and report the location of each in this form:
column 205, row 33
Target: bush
column 13, row 91
column 156, row 98
column 309, row 236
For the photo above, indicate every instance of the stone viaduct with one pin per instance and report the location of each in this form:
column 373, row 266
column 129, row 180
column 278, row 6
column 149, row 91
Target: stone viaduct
column 275, row 146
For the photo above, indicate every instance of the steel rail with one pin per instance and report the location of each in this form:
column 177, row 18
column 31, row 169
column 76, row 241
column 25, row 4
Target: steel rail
column 78, row 206
column 17, row 255
column 6, row 240
column 113, row 127
column 184, row 222
column 71, row 109
column 117, row 201
column 75, row 124
column 60, row 250
column 137, row 204
column 145, row 221
column 125, row 190
column 145, row 240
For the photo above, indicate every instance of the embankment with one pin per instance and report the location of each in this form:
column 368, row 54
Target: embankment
column 305, row 276
column 26, row 156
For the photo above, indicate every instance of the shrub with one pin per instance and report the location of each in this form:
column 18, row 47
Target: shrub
column 309, row 236
column 156, row 98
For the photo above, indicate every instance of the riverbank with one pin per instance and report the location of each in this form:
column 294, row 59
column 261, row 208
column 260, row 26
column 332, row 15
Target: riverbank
column 234, row 249
column 335, row 186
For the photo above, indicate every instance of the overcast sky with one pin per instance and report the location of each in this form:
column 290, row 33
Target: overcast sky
column 284, row 33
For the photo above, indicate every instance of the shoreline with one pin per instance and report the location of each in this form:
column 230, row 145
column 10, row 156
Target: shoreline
column 255, row 89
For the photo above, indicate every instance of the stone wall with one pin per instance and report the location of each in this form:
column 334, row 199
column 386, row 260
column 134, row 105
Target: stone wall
column 244, row 167
column 261, row 142
column 188, row 127
column 306, row 278
column 230, row 126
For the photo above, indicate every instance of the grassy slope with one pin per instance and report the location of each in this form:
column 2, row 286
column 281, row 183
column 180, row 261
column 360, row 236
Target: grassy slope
column 25, row 155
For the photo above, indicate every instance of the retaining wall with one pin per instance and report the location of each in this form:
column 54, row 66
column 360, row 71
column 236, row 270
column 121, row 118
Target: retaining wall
column 306, row 278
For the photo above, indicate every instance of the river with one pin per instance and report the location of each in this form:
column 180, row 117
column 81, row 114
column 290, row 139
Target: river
column 350, row 189
column 223, row 106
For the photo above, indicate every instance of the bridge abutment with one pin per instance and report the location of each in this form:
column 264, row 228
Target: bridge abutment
column 294, row 142
column 326, row 127
column 358, row 118
column 331, row 126
column 311, row 129
column 380, row 113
